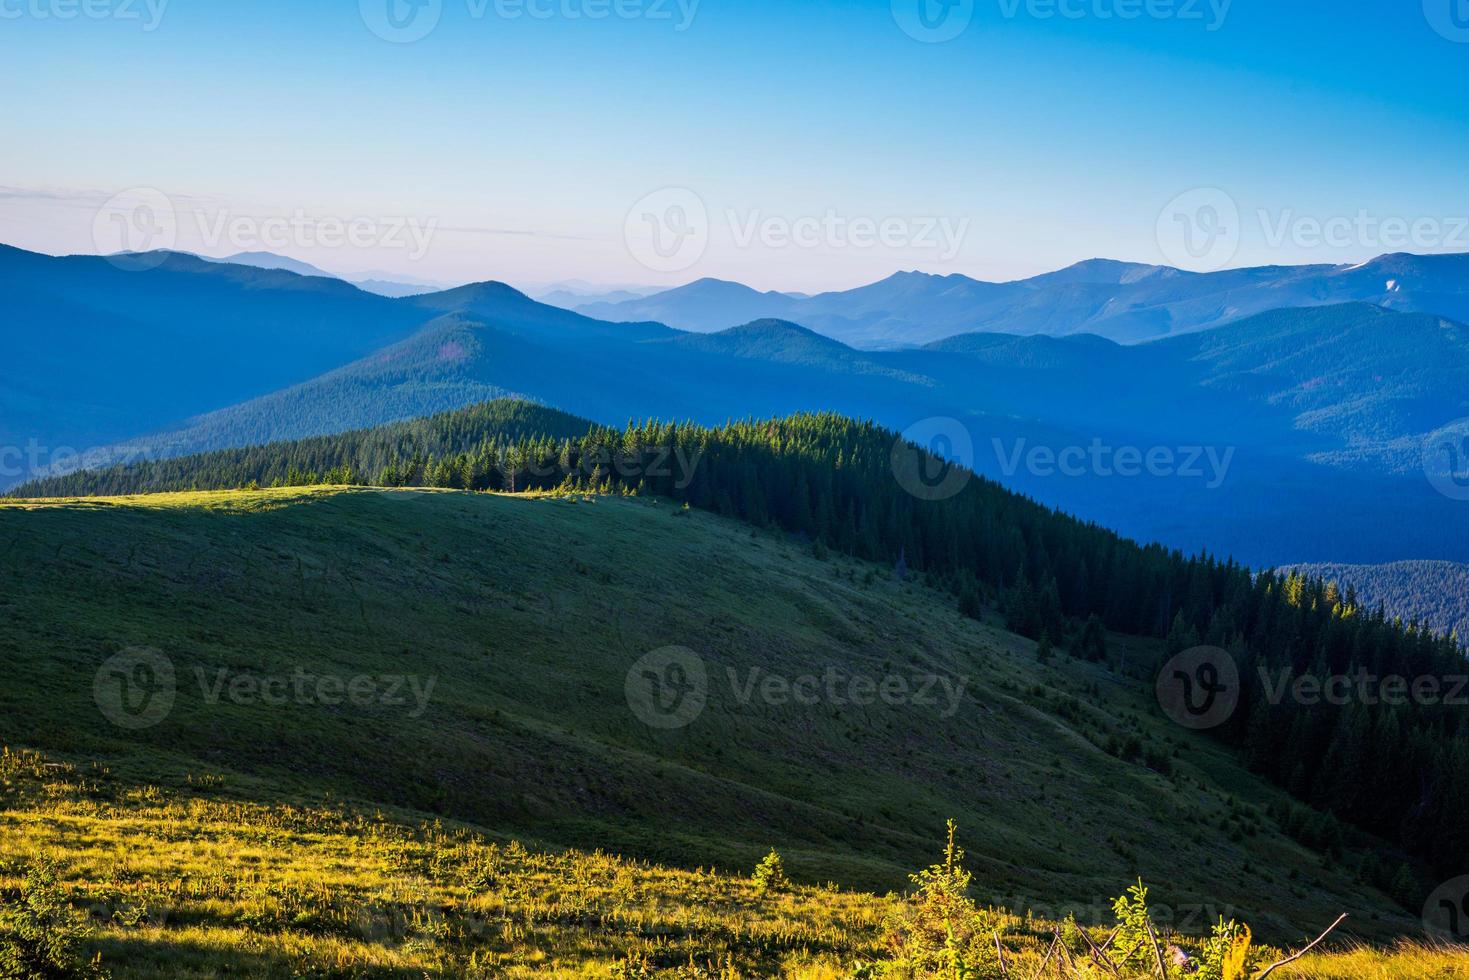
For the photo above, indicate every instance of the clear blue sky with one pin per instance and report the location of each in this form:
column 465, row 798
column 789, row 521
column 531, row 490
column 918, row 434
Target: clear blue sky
column 527, row 140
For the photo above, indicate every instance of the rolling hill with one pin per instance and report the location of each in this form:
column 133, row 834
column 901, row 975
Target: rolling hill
column 509, row 627
column 857, row 489
column 1286, row 403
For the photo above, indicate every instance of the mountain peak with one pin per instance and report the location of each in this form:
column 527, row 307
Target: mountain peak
column 1099, row 271
column 270, row 260
column 773, row 325
column 489, row 289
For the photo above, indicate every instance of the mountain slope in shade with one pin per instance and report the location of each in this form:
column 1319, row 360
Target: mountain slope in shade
column 1126, row 302
column 391, row 289
column 103, row 349
column 704, row 305
column 270, row 260
column 1434, row 593
column 379, row 284
column 507, row 308
column 1379, row 381
column 1233, row 414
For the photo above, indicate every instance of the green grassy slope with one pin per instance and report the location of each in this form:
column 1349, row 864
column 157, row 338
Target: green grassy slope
column 527, row 614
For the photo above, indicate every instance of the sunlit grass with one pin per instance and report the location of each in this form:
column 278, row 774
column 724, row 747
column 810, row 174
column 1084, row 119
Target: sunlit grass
column 233, row 838
column 195, row 884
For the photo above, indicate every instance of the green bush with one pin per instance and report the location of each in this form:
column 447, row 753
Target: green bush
column 770, row 874
column 40, row 932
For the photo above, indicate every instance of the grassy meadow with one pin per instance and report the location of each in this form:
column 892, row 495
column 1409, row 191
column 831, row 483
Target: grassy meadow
column 486, row 801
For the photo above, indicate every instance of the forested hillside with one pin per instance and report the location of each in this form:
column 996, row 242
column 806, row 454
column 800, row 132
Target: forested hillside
column 1400, row 771
column 359, row 456
column 191, row 356
column 1434, row 593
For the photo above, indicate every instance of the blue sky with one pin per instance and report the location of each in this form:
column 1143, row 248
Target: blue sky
column 520, row 146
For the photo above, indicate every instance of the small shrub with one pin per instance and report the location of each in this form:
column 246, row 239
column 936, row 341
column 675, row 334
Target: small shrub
column 770, row 874
column 1225, row 953
column 1043, row 649
column 40, row 932
column 940, row 932
column 1133, row 942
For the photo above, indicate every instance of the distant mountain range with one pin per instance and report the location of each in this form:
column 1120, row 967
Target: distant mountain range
column 1289, row 436
column 383, row 284
column 1122, row 301
column 572, row 293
